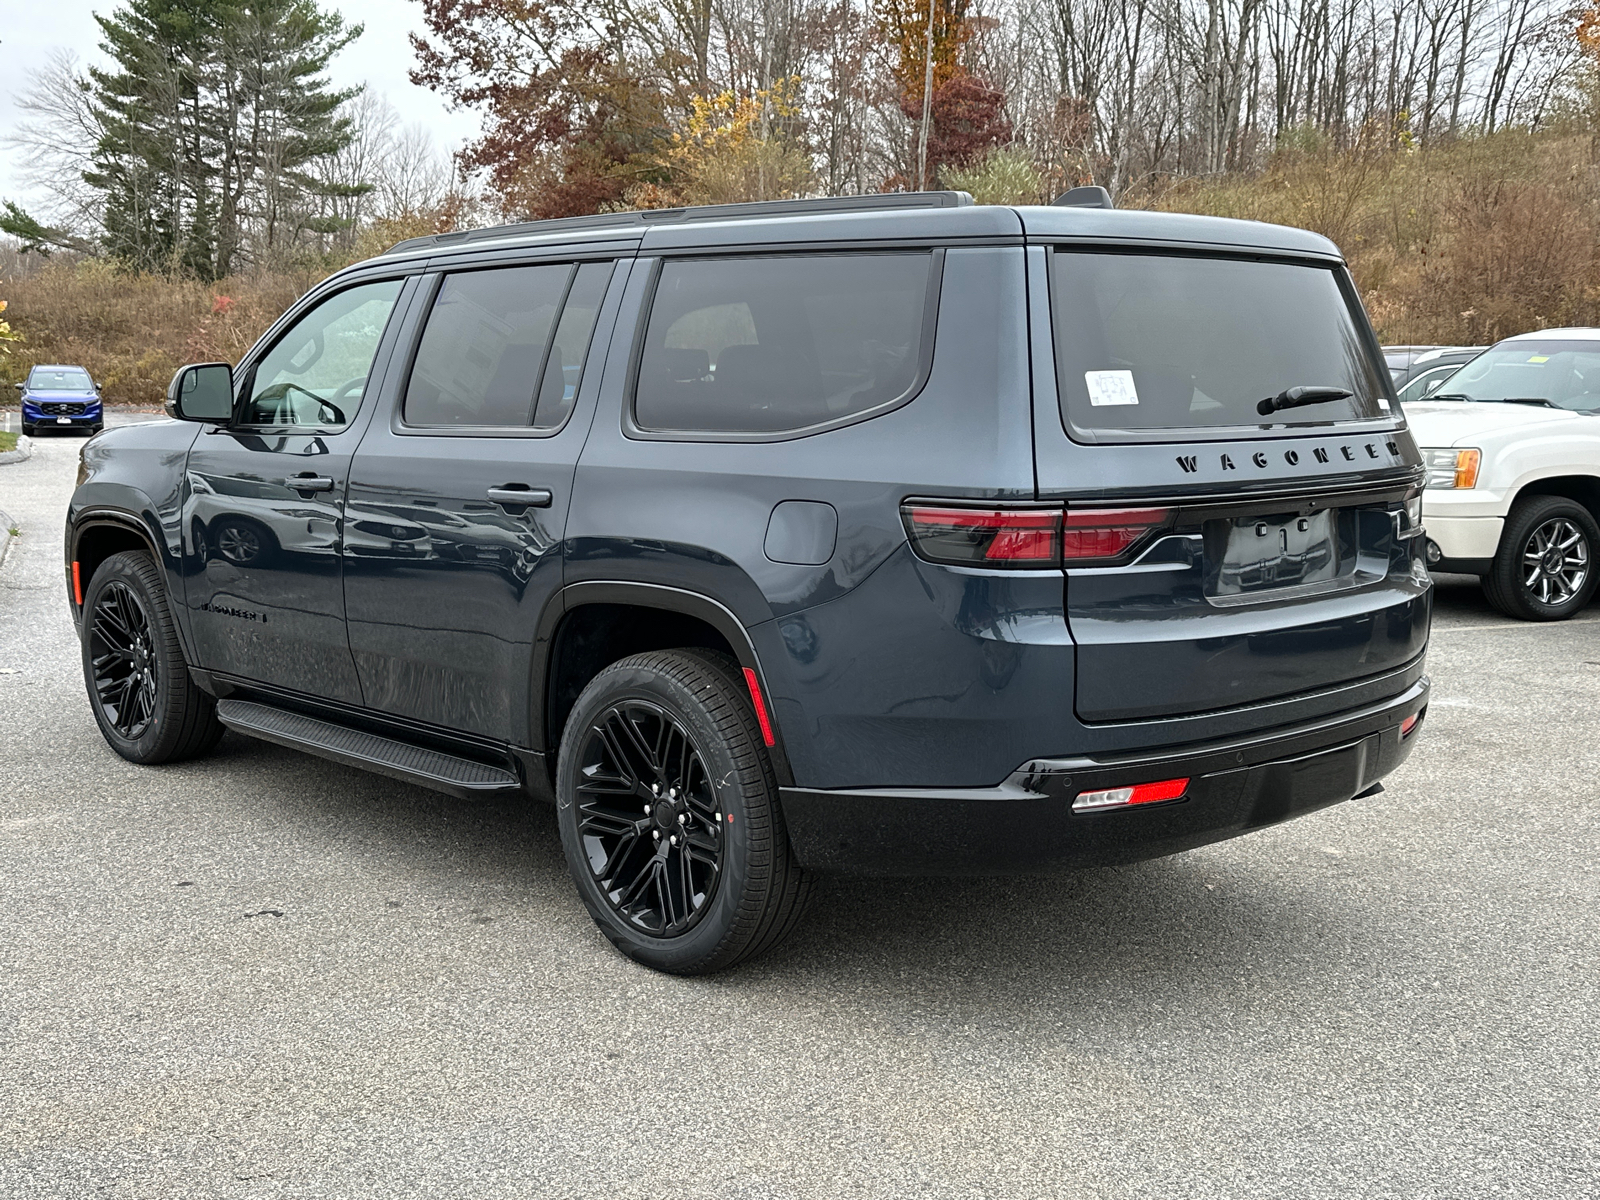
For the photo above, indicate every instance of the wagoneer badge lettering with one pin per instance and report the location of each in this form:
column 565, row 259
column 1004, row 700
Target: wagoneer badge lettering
column 1190, row 463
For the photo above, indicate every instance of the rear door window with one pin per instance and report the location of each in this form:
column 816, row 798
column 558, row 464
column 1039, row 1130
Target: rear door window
column 487, row 355
column 779, row 344
column 1149, row 345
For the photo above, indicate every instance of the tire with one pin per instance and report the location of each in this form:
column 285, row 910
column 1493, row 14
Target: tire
column 148, row 708
column 1545, row 568
column 30, row 430
column 692, row 724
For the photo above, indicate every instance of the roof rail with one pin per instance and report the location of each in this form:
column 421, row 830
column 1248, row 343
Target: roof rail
column 705, row 212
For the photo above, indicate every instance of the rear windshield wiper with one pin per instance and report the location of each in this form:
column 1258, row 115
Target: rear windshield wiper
column 1296, row 396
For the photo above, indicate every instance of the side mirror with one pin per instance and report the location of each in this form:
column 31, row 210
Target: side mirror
column 1433, row 385
column 201, row 392
column 21, row 387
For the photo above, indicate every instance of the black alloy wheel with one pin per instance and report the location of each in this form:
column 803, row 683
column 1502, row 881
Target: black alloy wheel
column 147, row 705
column 1545, row 567
column 648, row 819
column 669, row 815
column 121, row 650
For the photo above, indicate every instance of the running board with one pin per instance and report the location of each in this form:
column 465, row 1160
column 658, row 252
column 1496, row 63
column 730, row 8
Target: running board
column 356, row 748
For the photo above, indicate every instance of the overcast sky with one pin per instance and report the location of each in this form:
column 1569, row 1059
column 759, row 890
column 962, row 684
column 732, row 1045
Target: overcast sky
column 380, row 58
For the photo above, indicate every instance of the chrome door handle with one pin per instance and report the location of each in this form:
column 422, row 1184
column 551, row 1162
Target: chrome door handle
column 311, row 483
column 522, row 497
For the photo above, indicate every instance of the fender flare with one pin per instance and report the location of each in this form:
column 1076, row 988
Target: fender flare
column 646, row 595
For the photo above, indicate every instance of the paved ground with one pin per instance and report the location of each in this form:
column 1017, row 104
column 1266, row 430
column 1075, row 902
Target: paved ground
column 262, row 975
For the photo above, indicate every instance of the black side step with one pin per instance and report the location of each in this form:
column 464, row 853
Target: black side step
column 356, row 748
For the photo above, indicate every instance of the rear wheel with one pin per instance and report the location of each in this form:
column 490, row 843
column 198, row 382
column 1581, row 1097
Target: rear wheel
column 148, row 708
column 1545, row 567
column 669, row 815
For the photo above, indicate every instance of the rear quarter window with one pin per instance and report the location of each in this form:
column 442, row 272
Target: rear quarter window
column 774, row 345
column 1150, row 345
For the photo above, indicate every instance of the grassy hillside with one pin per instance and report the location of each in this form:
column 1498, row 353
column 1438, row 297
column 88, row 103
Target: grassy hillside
column 1462, row 244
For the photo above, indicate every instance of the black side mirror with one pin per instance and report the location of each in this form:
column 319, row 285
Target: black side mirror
column 201, row 392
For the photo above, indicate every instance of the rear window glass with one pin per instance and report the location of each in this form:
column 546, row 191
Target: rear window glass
column 487, row 357
column 775, row 344
column 1148, row 343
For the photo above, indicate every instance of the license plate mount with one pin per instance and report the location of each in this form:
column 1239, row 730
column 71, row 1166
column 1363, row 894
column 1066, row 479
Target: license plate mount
column 1251, row 556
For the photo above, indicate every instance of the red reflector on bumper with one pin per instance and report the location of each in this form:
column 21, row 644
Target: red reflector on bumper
column 1409, row 724
column 1138, row 793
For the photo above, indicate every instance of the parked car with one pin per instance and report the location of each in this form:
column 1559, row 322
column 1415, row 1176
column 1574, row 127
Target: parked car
column 1512, row 442
column 1399, row 359
column 889, row 534
column 60, row 397
column 1430, row 369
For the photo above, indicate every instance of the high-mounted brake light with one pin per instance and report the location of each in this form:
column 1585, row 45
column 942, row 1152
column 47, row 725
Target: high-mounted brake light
column 1139, row 793
column 988, row 537
column 1101, row 533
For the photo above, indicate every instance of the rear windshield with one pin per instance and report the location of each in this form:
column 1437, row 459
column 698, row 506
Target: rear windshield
column 1147, row 343
column 1549, row 374
column 60, row 379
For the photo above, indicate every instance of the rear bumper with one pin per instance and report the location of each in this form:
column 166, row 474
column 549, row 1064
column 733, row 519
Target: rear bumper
column 1027, row 823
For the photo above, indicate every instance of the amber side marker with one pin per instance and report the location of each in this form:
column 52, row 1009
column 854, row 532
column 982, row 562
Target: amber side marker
column 77, row 585
column 761, row 708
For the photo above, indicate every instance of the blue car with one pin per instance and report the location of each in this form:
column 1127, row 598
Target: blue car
column 60, row 397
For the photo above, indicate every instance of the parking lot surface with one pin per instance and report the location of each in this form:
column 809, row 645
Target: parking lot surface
column 261, row 974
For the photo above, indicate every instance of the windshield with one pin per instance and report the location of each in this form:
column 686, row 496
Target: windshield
column 60, row 379
column 1148, row 342
column 1557, row 374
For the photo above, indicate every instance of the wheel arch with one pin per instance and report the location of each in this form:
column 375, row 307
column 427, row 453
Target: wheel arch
column 592, row 624
column 1580, row 488
column 97, row 534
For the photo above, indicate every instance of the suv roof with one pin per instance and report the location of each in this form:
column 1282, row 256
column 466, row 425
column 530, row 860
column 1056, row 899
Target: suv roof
column 872, row 217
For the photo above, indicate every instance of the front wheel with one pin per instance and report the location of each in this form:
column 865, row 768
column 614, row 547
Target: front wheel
column 30, row 430
column 669, row 815
column 1545, row 567
column 147, row 706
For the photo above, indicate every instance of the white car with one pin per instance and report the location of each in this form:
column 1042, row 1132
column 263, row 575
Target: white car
column 1512, row 446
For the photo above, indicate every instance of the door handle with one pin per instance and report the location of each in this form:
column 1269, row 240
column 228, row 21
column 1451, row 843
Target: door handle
column 521, row 495
column 311, row 483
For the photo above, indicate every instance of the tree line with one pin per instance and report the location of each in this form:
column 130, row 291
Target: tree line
column 213, row 140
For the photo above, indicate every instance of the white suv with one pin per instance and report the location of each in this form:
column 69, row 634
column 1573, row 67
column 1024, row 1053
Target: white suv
column 1512, row 445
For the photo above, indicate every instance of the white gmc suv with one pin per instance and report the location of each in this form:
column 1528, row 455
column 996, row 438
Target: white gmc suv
column 1512, row 444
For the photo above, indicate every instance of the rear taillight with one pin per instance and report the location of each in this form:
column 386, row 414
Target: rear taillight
column 1107, row 533
column 1027, row 537
column 985, row 537
column 1138, row 793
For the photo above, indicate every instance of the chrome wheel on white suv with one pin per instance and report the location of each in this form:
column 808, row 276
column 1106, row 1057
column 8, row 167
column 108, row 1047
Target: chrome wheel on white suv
column 1544, row 570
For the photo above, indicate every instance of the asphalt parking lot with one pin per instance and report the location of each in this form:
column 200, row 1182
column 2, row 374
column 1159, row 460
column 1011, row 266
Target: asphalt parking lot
column 262, row 975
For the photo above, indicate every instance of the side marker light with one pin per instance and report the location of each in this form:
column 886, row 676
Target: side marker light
column 760, row 707
column 1139, row 793
column 77, row 585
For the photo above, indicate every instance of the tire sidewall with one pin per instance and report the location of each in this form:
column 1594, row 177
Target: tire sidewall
column 689, row 951
column 1509, row 571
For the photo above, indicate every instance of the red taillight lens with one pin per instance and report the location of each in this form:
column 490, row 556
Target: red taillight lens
column 1138, row 793
column 1105, row 533
column 989, row 537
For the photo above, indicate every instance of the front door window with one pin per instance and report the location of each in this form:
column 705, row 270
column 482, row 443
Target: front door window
column 316, row 373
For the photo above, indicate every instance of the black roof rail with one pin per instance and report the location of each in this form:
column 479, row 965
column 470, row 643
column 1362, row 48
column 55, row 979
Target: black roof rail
column 705, row 212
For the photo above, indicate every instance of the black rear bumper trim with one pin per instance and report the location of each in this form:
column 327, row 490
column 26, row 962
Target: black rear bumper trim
column 1027, row 824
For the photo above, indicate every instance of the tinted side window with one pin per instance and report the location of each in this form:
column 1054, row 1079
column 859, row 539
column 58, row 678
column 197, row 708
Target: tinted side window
column 563, row 369
column 773, row 344
column 317, row 372
column 484, row 346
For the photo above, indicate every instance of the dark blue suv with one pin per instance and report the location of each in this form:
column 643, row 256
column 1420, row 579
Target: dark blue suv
column 60, row 397
column 888, row 534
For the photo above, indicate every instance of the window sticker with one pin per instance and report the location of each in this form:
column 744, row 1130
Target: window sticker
column 1540, row 358
column 1110, row 387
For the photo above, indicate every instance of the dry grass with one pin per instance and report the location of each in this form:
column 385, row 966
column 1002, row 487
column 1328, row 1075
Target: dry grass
column 1463, row 244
